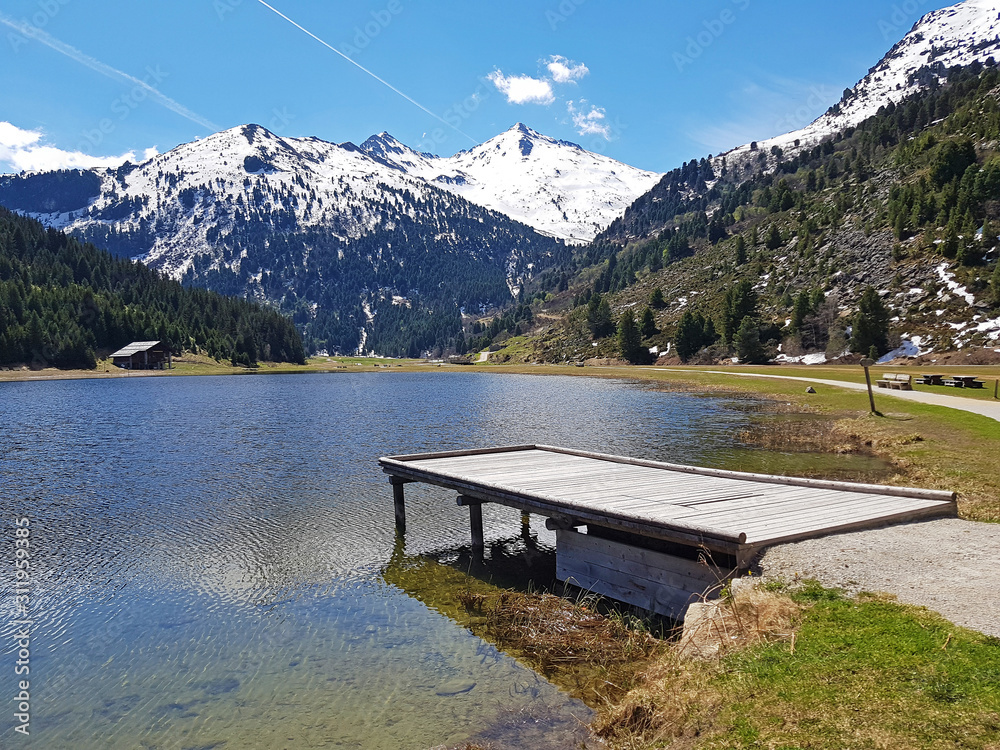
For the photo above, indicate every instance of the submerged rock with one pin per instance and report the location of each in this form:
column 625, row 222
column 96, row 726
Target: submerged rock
column 454, row 687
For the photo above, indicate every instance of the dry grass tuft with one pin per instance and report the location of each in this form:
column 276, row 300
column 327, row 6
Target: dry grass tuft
column 596, row 657
column 806, row 435
column 750, row 616
column 675, row 699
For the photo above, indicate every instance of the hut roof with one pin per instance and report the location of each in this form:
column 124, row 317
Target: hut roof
column 136, row 347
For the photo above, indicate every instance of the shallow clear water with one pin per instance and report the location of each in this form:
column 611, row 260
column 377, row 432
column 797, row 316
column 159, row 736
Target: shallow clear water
column 212, row 557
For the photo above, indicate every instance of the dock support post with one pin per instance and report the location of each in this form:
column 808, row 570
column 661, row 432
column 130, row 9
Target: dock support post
column 525, row 526
column 397, row 499
column 475, row 521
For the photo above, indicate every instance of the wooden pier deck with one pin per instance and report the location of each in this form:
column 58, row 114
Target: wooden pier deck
column 657, row 533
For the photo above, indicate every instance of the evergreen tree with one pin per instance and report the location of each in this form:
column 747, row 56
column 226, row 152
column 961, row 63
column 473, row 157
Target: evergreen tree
column 741, row 251
column 871, row 324
column 656, row 300
column 995, row 285
column 749, row 348
column 630, row 341
column 599, row 319
column 773, row 238
column 740, row 303
column 647, row 326
column 709, row 336
column 802, row 309
column 688, row 340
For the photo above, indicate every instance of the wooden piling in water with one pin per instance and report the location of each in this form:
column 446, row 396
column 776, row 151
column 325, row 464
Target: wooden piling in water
column 397, row 499
column 475, row 521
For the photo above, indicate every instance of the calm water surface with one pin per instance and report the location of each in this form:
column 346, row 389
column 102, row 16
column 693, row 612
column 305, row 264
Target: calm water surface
column 210, row 555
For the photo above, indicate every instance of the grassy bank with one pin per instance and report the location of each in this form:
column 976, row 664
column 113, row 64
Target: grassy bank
column 194, row 364
column 858, row 673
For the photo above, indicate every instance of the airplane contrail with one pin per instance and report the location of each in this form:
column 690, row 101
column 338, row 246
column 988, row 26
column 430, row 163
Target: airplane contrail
column 104, row 69
column 363, row 68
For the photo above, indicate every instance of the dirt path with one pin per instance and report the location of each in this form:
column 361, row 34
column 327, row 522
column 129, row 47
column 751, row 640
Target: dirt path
column 949, row 566
column 989, row 409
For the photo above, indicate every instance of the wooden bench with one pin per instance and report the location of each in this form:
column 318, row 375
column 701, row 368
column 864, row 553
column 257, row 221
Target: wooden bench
column 897, row 381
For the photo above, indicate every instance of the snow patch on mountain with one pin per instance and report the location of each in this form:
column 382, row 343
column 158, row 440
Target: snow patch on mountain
column 553, row 186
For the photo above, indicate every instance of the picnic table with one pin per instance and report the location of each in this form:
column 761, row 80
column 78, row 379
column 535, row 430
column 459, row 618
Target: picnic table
column 964, row 381
column 931, row 380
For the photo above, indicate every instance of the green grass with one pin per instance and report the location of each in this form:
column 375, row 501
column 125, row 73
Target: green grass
column 864, row 673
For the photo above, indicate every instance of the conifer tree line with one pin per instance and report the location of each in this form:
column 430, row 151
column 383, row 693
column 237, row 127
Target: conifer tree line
column 63, row 301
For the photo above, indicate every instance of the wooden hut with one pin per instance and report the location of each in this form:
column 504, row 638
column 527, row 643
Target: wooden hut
column 143, row 355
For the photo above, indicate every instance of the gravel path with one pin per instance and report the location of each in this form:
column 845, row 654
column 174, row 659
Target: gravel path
column 950, row 566
column 989, row 409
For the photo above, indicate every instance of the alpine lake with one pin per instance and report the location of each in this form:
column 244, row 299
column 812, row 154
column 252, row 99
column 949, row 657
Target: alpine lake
column 213, row 561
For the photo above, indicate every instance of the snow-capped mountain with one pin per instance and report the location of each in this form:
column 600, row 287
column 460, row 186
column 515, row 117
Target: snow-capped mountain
column 959, row 35
column 338, row 237
column 556, row 187
column 182, row 201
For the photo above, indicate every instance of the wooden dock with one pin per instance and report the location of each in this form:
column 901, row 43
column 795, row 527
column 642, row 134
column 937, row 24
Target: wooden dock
column 657, row 534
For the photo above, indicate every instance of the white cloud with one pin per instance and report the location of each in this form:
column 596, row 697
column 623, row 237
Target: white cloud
column 593, row 122
column 523, row 89
column 565, row 71
column 24, row 150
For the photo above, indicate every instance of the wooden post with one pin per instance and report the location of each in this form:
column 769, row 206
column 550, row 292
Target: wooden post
column 996, row 385
column 525, row 525
column 475, row 521
column 397, row 499
column 866, row 363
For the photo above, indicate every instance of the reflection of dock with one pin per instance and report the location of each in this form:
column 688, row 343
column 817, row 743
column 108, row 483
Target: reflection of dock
column 656, row 534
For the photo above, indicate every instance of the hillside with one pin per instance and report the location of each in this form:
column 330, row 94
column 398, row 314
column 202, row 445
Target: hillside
column 63, row 301
column 907, row 202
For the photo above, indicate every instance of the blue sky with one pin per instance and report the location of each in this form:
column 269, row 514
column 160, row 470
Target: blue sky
column 650, row 82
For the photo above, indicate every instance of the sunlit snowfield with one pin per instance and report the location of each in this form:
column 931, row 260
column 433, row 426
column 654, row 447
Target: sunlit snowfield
column 210, row 554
